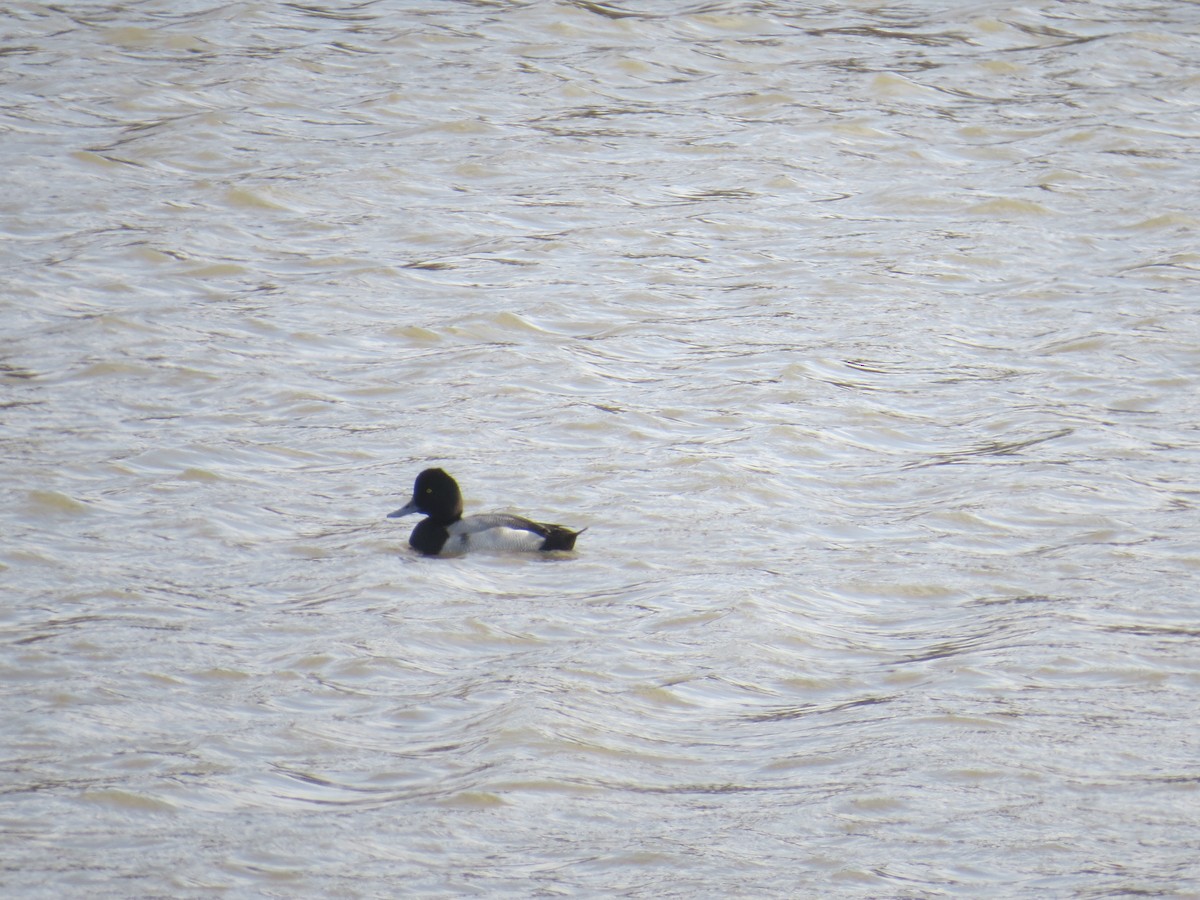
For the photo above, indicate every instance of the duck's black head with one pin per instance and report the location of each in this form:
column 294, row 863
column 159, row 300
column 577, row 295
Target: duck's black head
column 435, row 494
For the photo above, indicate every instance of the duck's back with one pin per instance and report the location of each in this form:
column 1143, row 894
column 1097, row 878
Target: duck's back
column 499, row 531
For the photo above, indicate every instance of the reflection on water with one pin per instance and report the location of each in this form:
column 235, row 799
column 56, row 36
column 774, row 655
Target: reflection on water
column 861, row 339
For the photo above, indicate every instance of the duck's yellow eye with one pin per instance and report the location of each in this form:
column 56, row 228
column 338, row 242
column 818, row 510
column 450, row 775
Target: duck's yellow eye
column 429, row 490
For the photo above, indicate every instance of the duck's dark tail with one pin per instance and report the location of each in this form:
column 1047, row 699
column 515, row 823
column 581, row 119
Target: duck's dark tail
column 559, row 538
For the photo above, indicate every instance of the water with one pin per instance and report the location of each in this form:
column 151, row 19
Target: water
column 863, row 339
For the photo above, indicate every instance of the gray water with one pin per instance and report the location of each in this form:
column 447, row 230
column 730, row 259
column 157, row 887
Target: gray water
column 864, row 339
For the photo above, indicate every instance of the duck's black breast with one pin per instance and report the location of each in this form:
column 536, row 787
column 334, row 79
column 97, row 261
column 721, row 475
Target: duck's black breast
column 428, row 537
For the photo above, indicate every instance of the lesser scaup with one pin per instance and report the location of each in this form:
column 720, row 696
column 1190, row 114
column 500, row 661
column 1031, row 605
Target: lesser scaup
column 446, row 532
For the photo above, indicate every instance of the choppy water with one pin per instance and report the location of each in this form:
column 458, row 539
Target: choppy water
column 865, row 340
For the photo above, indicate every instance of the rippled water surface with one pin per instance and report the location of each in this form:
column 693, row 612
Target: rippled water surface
column 863, row 338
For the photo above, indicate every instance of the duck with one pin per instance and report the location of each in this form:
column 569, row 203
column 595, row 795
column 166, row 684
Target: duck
column 445, row 532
